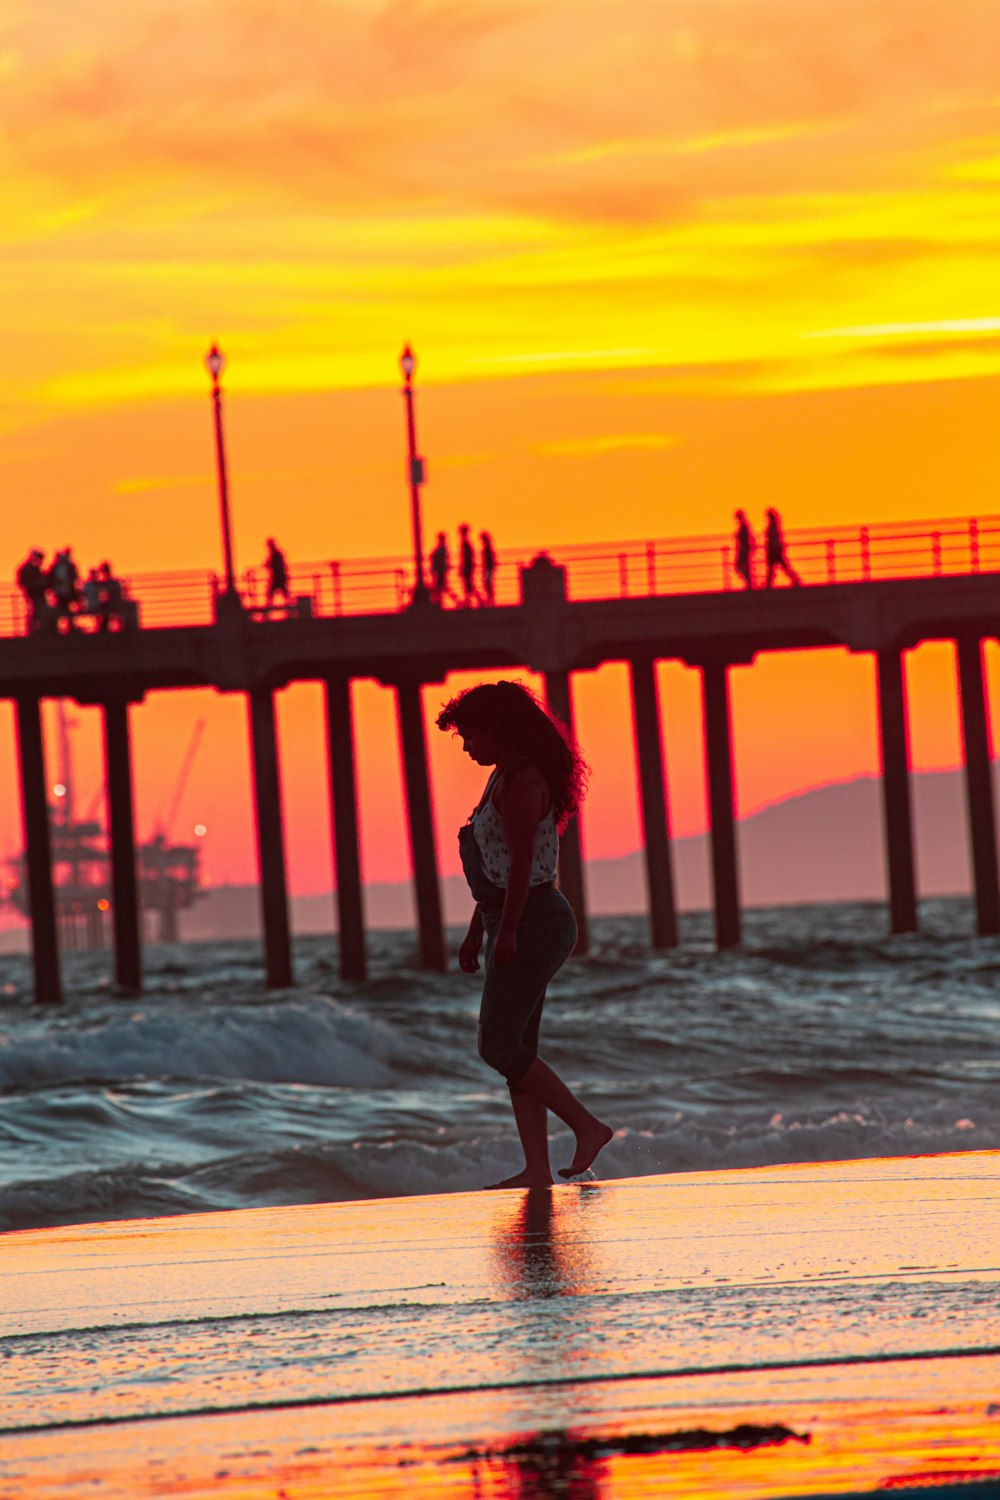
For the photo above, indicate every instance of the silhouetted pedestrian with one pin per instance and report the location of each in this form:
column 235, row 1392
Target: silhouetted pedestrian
column 488, row 564
column 31, row 580
column 440, row 568
column 777, row 557
column 277, row 572
column 93, row 598
column 743, row 556
column 62, row 580
column 467, row 568
column 112, row 597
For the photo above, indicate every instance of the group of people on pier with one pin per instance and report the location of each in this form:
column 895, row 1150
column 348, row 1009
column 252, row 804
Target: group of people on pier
column 56, row 599
column 473, row 595
column 775, row 551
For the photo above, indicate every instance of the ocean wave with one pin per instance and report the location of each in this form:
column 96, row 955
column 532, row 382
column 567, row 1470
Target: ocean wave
column 209, row 1095
column 316, row 1041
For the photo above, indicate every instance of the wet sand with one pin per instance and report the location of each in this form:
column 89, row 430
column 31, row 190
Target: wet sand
column 819, row 1329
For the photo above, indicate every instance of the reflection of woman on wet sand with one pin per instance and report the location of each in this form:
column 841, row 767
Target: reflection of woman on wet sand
column 509, row 848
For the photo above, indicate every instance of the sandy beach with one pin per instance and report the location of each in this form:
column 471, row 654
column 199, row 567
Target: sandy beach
column 818, row 1329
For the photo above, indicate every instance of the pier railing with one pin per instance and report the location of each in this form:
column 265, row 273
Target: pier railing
column 610, row 570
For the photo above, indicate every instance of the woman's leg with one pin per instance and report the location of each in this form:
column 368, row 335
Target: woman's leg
column 532, row 1120
column 545, row 1086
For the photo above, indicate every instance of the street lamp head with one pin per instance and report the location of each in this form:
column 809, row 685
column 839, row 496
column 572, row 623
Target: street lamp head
column 407, row 363
column 215, row 362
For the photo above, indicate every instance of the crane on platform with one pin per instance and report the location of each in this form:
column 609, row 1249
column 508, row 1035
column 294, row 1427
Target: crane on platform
column 165, row 821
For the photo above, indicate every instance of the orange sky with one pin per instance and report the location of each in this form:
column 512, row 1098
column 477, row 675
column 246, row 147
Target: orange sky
column 656, row 260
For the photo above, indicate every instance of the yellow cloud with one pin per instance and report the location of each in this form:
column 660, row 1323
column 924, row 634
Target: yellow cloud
column 588, row 447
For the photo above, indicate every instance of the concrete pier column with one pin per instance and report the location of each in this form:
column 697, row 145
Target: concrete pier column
column 121, row 818
column 344, row 820
column 895, row 746
column 558, row 696
column 420, row 822
column 270, row 839
column 38, row 851
column 653, row 803
column 719, row 766
column 979, row 785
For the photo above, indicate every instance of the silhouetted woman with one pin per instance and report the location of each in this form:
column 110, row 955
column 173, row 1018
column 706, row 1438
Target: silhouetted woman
column 743, row 555
column 777, row 556
column 509, row 849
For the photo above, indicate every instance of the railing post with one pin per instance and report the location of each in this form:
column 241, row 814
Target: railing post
column 974, row 546
column 866, row 555
column 338, row 595
column 623, row 574
column 651, row 567
column 936, row 553
column 831, row 560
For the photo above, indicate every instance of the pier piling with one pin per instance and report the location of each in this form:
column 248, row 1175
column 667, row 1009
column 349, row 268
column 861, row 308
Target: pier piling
column 420, row 823
column 895, row 748
column 719, row 766
column 559, row 697
column 121, row 817
column 270, row 840
column 653, row 803
column 344, row 819
column 38, row 851
column 979, row 784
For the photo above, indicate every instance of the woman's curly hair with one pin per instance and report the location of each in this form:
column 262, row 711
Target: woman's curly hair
column 511, row 712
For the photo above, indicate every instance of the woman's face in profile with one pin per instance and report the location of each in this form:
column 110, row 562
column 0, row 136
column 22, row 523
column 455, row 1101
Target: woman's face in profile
column 480, row 745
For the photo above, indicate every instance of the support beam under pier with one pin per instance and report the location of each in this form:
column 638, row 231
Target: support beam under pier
column 559, row 698
column 38, row 852
column 653, row 803
column 270, row 839
column 895, row 747
column 344, row 816
column 719, row 766
column 979, row 785
column 121, row 817
column 420, row 821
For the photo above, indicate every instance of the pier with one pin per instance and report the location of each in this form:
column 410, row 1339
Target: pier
column 880, row 590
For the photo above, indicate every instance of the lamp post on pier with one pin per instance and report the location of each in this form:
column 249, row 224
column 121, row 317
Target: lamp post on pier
column 215, row 363
column 415, row 468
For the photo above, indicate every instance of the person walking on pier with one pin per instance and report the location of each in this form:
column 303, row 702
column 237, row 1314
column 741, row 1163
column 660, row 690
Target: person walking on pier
column 488, row 565
column 276, row 564
column 112, row 597
column 440, row 568
column 467, row 568
column 509, row 848
column 777, row 556
column 743, row 556
column 31, row 581
column 62, row 580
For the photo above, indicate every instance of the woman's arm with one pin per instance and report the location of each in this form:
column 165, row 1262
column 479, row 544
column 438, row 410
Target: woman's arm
column 521, row 804
column 468, row 953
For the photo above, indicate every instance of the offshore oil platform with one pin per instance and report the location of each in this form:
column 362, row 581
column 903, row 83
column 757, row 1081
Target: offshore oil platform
column 168, row 873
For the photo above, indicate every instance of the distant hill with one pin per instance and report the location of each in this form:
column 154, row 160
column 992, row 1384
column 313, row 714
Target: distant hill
column 825, row 845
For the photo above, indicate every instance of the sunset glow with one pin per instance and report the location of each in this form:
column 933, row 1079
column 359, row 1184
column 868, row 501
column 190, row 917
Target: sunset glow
column 655, row 260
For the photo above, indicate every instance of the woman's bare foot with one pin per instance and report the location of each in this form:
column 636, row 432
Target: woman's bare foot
column 588, row 1144
column 523, row 1179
